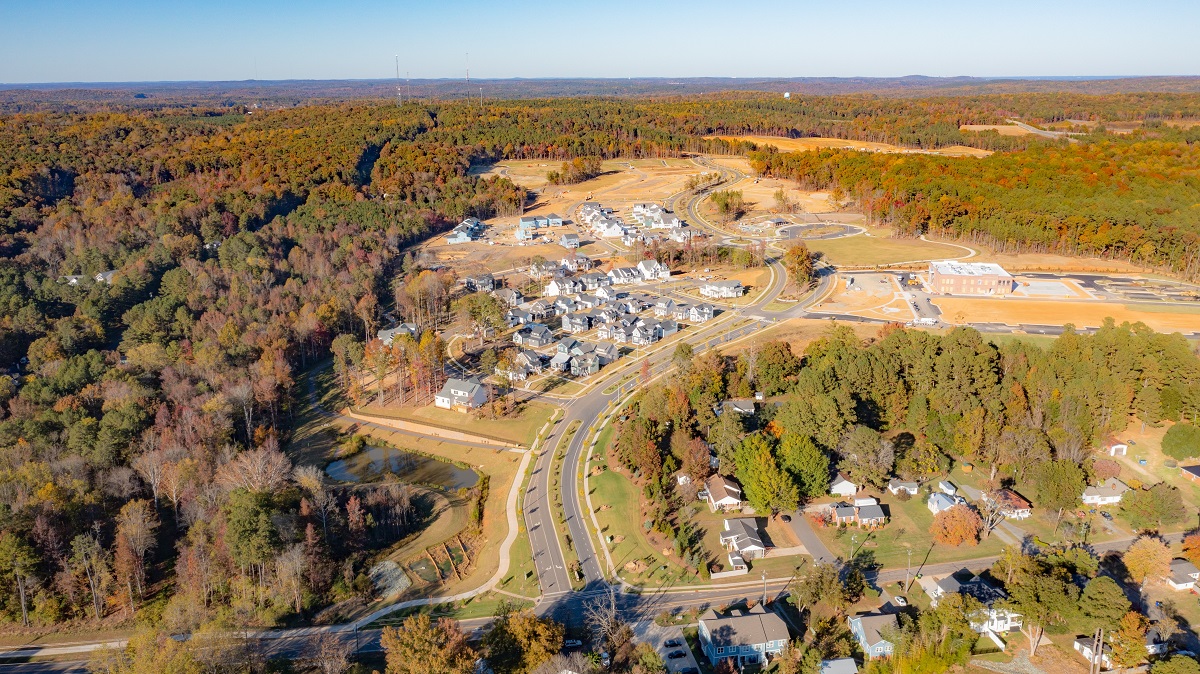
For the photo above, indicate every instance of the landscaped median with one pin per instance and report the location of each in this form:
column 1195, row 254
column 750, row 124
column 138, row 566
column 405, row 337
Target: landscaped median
column 570, row 554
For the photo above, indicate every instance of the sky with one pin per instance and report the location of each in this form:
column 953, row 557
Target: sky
column 177, row 40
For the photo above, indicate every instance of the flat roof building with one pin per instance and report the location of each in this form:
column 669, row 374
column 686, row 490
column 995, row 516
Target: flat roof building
column 969, row 278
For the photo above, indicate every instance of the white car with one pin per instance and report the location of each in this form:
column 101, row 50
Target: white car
column 899, row 601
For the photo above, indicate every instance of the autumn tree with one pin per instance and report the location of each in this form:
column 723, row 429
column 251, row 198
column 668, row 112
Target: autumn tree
column 136, row 525
column 956, row 525
column 799, row 263
column 1129, row 640
column 421, row 646
column 1148, row 558
column 17, row 564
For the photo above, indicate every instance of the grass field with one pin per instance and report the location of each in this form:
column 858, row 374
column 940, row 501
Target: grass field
column 1002, row 129
column 801, row 144
column 1049, row 312
column 865, row 251
column 520, row 430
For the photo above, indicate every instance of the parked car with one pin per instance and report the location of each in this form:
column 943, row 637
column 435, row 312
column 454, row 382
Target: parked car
column 572, row 643
column 1106, row 515
column 675, row 655
column 673, row 643
column 899, row 601
column 786, row 518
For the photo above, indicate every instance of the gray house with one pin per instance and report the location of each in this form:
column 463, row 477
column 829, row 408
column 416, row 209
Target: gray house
column 747, row 637
column 533, row 335
column 461, row 394
column 867, row 629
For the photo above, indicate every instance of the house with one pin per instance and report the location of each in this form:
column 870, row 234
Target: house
column 544, row 269
column 742, row 540
column 105, row 276
column 610, row 229
column 839, row 666
column 576, row 323
column 947, row 487
column 700, row 313
column 1156, row 644
column 739, row 407
column 1183, row 576
column 1012, row 504
column 565, row 305
column 533, row 335
column 722, row 289
column 1190, row 472
column 1118, row 449
column 518, row 316
column 607, row 353
column 401, row 330
column 844, row 514
column 871, row 516
column 867, row 629
column 595, row 280
column 624, row 275
column 682, row 233
column 723, row 494
column 1085, row 646
column 667, row 328
column 842, row 486
column 458, row 236
column 539, row 309
column 652, row 270
column 1106, row 493
column 509, row 296
column 993, row 617
column 554, row 220
column 576, row 262
column 746, row 637
column 584, row 365
column 480, row 283
column 563, row 286
column 524, row 364
column 664, row 307
column 570, row 240
column 938, row 502
column 461, row 394
column 896, row 485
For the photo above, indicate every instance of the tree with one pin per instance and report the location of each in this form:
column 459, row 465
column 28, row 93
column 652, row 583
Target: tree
column 136, row 525
column 766, row 485
column 956, row 525
column 648, row 661
column 603, row 618
column 17, row 562
column 1103, row 603
column 799, row 264
column 1182, row 441
column 261, row 471
column 697, row 461
column 519, row 641
column 992, row 512
column 482, row 311
column 1191, row 547
column 567, row 662
column 1059, row 485
column 420, row 646
column 1129, row 640
column 1043, row 599
column 1152, row 508
column 1147, row 558
column 1176, row 664
column 88, row 557
column 820, row 587
column 806, row 463
column 682, row 357
column 866, row 457
column 331, row 654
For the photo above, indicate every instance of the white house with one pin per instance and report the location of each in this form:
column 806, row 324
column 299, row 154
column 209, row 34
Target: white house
column 842, row 486
column 565, row 286
column 1106, row 493
column 610, row 229
column 700, row 313
column 1085, row 645
column 723, row 494
column 993, row 618
column 461, row 394
column 741, row 539
column 652, row 270
column 938, row 502
column 624, row 275
column 722, row 289
column 947, row 487
column 570, row 240
column 1183, row 576
column 1012, row 504
column 896, row 485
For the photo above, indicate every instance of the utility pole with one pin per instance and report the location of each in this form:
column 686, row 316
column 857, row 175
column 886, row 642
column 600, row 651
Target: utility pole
column 907, row 571
column 764, row 601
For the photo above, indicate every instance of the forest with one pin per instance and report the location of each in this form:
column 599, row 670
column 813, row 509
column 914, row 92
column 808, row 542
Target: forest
column 169, row 275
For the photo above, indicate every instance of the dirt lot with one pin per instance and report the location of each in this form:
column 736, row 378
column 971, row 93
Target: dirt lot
column 1044, row 312
column 1002, row 129
column 868, row 297
column 801, row 144
column 800, row 332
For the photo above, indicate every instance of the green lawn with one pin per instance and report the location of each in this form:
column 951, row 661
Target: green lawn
column 520, row 430
column 864, row 251
column 522, row 576
column 482, row 606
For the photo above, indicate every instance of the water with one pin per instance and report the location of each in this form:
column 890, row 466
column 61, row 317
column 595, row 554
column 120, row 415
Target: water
column 374, row 463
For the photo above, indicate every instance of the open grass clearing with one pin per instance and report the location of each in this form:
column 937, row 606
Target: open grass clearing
column 802, row 144
column 868, row 251
column 520, row 430
column 483, row 606
column 1002, row 129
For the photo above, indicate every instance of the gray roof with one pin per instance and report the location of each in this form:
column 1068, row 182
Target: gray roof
column 757, row 626
column 1182, row 570
column 873, row 624
column 744, row 530
column 1109, row 488
column 870, row 512
column 839, row 666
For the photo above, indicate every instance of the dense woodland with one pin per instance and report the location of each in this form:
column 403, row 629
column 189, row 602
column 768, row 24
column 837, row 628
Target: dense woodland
column 142, row 415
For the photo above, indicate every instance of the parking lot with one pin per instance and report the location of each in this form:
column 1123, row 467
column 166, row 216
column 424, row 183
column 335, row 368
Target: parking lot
column 660, row 637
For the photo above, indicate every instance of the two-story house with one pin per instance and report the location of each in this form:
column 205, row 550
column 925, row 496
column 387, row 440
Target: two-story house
column 992, row 618
column 747, row 637
column 868, row 629
column 461, row 394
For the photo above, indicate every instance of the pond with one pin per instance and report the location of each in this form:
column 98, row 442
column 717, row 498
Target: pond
column 374, row 463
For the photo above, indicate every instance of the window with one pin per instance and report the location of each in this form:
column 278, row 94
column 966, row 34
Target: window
column 720, row 650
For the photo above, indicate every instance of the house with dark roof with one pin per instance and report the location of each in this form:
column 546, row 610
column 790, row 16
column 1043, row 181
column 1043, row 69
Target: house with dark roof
column 993, row 618
column 570, row 240
column 533, row 335
column 742, row 540
column 509, row 296
column 576, row 323
column 747, row 637
column 1190, row 472
column 723, row 494
column 868, row 631
column 480, row 283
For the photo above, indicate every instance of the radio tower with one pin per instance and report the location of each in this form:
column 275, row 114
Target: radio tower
column 400, row 92
column 468, row 76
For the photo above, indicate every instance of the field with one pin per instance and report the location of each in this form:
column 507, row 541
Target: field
column 1002, row 129
column 866, row 251
column 520, row 430
column 1081, row 313
column 802, row 144
column 761, row 196
column 1048, row 262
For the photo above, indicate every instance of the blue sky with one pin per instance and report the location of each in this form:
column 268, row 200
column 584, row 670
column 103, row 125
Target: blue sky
column 107, row 40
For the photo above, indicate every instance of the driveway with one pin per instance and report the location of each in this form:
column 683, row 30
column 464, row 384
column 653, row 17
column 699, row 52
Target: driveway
column 658, row 636
column 810, row 540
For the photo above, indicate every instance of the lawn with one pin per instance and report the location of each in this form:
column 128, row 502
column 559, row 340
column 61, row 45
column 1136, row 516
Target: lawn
column 520, row 430
column 482, row 606
column 522, row 576
column 314, row 438
column 866, row 251
column 570, row 554
column 907, row 528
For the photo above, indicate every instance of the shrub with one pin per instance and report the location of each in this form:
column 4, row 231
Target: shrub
column 1182, row 441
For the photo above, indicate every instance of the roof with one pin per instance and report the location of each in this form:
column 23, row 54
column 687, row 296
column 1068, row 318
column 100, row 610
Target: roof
column 940, row 501
column 871, row 512
column 724, row 284
column 1109, row 488
column 844, row 511
column 1194, row 470
column 756, row 626
column 471, row 386
column 873, row 623
column 720, row 487
column 1182, row 570
column 745, row 531
column 839, row 479
column 1012, row 499
column 839, row 666
column 952, row 268
column 897, row 483
column 964, row 581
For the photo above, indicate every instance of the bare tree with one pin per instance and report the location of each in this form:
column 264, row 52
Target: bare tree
column 991, row 511
column 603, row 618
column 150, row 465
column 331, row 654
column 136, row 525
column 312, row 480
column 258, row 470
column 290, row 567
column 571, row 662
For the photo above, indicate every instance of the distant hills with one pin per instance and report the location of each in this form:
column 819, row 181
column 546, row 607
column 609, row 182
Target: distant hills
column 17, row 97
